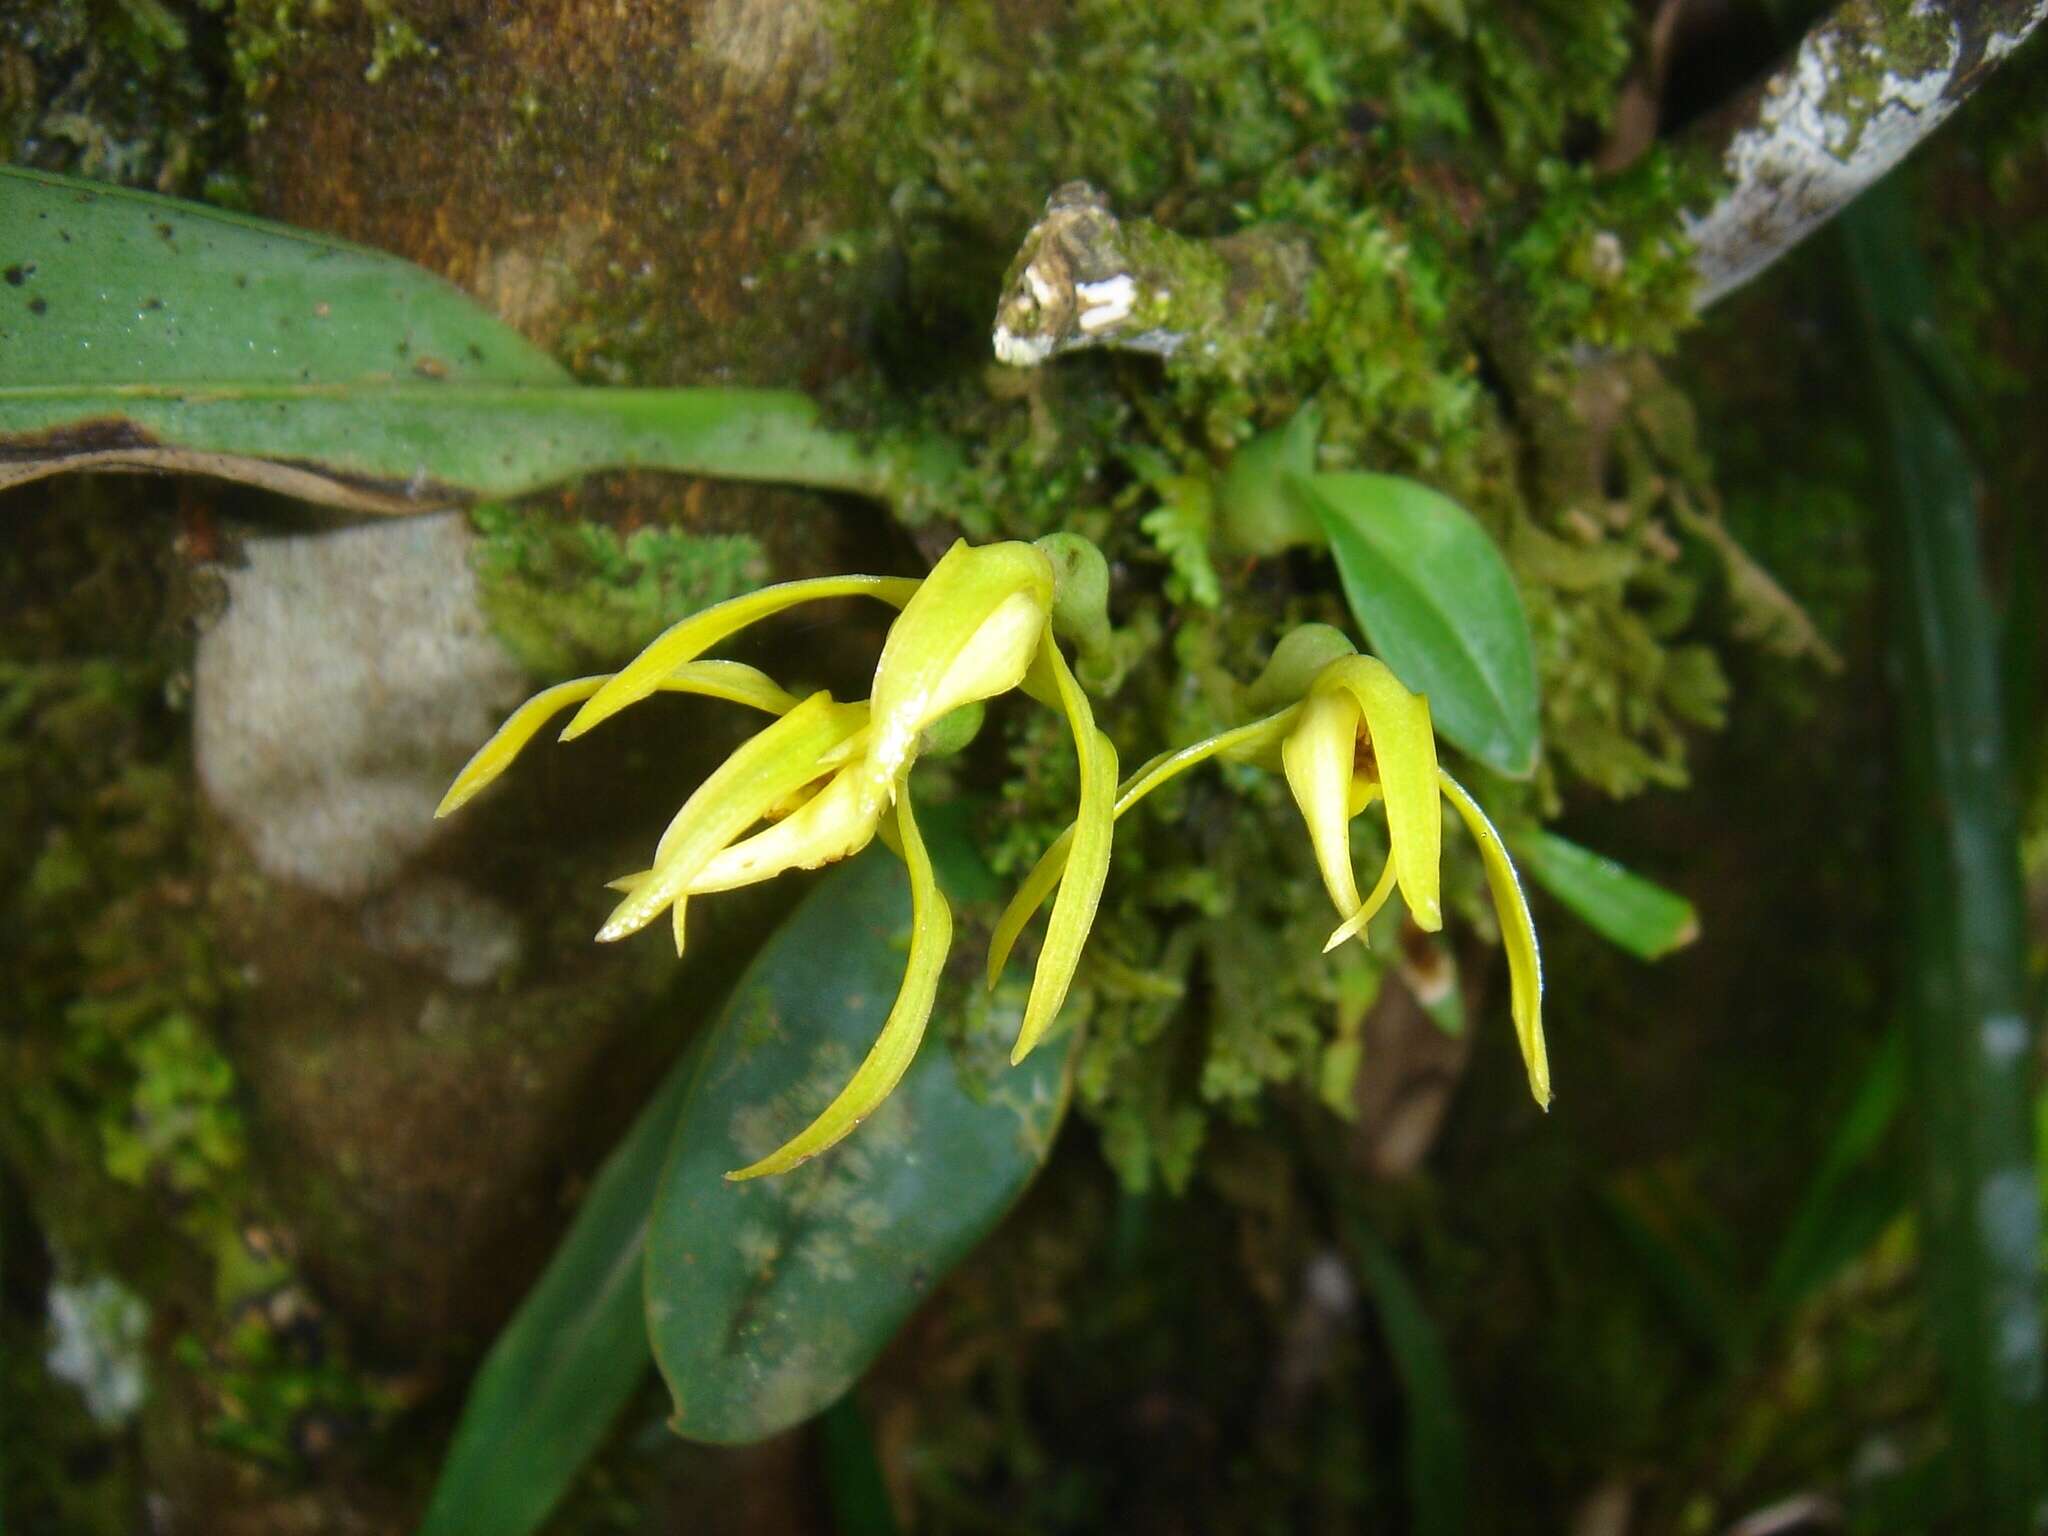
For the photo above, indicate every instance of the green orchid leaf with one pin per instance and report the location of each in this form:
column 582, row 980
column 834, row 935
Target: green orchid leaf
column 1621, row 906
column 573, row 1353
column 1435, row 1431
column 1435, row 598
column 138, row 331
column 767, row 1299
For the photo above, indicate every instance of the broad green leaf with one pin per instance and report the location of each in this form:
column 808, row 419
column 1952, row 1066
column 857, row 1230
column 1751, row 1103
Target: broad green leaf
column 1618, row 904
column 141, row 332
column 572, row 1354
column 767, row 1299
column 1434, row 597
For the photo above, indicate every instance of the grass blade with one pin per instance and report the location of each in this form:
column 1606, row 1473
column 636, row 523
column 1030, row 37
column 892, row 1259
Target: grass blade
column 1961, row 986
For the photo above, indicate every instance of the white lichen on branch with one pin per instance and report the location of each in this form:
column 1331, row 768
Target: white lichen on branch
column 1867, row 84
column 1085, row 278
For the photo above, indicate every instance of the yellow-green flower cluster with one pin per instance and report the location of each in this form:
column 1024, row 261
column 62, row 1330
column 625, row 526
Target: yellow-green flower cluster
column 1349, row 735
column 824, row 778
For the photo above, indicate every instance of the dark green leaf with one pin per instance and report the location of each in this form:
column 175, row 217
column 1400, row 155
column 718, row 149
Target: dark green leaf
column 1682, row 1249
column 766, row 1300
column 853, row 1473
column 138, row 331
column 1435, row 1424
column 1434, row 597
column 1852, row 1196
column 572, row 1354
column 1620, row 905
column 1961, row 957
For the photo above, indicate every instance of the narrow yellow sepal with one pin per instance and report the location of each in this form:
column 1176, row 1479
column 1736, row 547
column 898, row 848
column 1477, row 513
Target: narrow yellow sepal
column 1043, row 880
column 1080, row 890
column 969, row 633
column 1355, row 924
column 1518, row 934
column 772, row 764
column 1240, row 741
column 729, row 680
column 689, row 639
column 506, row 743
column 1404, row 754
column 1318, row 757
column 931, row 934
column 828, row 826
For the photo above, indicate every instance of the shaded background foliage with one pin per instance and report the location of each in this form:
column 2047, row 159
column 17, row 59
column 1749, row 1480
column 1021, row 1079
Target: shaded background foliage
column 220, row 1099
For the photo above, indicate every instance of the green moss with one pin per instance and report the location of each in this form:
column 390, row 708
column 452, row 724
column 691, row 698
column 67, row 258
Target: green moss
column 1879, row 43
column 268, row 36
column 124, row 1117
column 121, row 90
column 573, row 597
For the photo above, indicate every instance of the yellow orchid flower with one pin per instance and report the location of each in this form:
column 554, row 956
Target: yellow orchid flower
column 1353, row 735
column 827, row 777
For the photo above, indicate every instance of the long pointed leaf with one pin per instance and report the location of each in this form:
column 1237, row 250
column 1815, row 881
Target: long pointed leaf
column 574, row 1351
column 1962, row 959
column 150, row 333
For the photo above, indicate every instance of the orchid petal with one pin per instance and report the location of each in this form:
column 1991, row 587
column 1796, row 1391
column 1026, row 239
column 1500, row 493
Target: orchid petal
column 728, row 680
column 1518, row 934
column 826, row 827
column 852, row 718
column 689, row 639
column 969, row 633
column 768, row 766
column 1080, row 893
column 1355, row 924
column 1319, row 755
column 1167, row 766
column 1404, row 756
column 931, row 934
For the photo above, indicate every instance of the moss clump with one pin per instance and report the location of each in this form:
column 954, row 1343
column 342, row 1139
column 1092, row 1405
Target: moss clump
column 125, row 1117
column 573, row 597
column 133, row 91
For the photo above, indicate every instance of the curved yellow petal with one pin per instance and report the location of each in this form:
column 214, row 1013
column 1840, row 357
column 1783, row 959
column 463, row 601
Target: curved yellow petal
column 729, row 680
column 828, row 826
column 1404, row 755
column 1518, row 933
column 1074, row 908
column 849, row 719
column 506, row 743
column 689, row 639
column 931, row 934
column 773, row 763
column 1318, row 756
column 733, row 681
column 1043, row 880
column 1239, row 741
column 969, row 633
column 1354, row 925
column 1080, row 893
